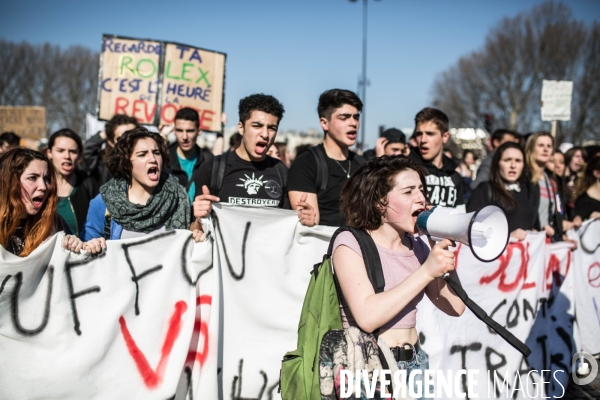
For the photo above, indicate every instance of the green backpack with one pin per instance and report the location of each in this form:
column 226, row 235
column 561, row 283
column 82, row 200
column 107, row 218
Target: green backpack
column 320, row 314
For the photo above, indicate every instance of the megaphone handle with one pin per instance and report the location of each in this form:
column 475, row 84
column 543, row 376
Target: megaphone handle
column 482, row 315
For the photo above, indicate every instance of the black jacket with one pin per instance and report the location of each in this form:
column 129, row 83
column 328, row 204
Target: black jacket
column 93, row 161
column 444, row 185
column 175, row 167
column 86, row 189
column 524, row 216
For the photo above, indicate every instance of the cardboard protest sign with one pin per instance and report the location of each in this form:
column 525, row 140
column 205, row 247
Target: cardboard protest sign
column 151, row 80
column 27, row 122
column 129, row 78
column 193, row 78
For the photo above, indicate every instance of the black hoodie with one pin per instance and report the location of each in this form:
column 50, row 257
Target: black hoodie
column 445, row 185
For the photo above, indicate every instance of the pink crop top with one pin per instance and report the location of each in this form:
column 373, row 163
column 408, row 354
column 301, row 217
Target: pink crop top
column 397, row 266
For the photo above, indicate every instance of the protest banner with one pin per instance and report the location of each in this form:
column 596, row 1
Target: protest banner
column 587, row 282
column 27, row 122
column 84, row 330
column 151, row 80
column 120, row 326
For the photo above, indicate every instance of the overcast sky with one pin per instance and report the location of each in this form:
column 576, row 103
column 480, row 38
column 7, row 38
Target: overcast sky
column 293, row 50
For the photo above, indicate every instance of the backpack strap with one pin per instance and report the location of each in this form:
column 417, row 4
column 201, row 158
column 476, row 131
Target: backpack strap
column 370, row 255
column 322, row 170
column 218, row 173
column 107, row 223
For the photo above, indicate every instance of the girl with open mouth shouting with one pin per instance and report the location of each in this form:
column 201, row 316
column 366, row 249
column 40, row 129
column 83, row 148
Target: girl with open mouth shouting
column 28, row 204
column 75, row 188
column 141, row 199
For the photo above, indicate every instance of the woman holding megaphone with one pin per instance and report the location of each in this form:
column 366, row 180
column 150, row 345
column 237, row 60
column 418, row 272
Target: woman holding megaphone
column 384, row 198
column 508, row 188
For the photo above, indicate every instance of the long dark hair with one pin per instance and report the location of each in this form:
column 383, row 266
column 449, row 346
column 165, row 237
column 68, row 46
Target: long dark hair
column 569, row 156
column 499, row 191
column 36, row 228
column 588, row 177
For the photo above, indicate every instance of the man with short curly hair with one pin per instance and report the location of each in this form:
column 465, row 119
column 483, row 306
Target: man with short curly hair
column 246, row 176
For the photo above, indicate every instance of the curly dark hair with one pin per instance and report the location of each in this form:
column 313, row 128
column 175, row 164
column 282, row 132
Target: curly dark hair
column 119, row 160
column 118, row 120
column 260, row 102
column 332, row 99
column 364, row 196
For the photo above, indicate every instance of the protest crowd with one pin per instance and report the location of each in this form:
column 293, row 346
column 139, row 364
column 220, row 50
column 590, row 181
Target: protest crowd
column 89, row 185
column 129, row 181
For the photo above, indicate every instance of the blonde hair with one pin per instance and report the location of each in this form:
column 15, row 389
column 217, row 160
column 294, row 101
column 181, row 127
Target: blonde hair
column 534, row 168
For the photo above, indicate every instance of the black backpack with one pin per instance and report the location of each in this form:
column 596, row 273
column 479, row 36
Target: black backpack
column 322, row 171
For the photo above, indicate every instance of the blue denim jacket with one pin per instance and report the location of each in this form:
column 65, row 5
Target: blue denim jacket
column 95, row 221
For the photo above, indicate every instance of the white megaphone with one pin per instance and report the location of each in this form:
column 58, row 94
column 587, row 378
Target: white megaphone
column 484, row 231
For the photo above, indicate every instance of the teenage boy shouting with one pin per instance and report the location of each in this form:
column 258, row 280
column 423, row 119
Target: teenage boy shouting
column 444, row 183
column 248, row 176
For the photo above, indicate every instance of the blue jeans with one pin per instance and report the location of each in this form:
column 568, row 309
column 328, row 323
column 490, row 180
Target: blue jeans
column 419, row 362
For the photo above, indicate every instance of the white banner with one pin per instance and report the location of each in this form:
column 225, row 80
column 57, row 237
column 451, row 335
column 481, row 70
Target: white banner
column 156, row 318
column 116, row 327
column 587, row 281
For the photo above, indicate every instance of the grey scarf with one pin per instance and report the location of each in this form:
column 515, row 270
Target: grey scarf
column 169, row 205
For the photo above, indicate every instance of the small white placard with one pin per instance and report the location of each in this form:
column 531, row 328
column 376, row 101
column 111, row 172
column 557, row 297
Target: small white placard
column 556, row 100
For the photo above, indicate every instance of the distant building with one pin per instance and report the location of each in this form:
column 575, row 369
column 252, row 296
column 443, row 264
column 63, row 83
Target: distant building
column 470, row 139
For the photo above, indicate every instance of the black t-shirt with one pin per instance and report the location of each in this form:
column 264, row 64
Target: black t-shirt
column 585, row 206
column 245, row 182
column 303, row 177
column 523, row 216
column 445, row 186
